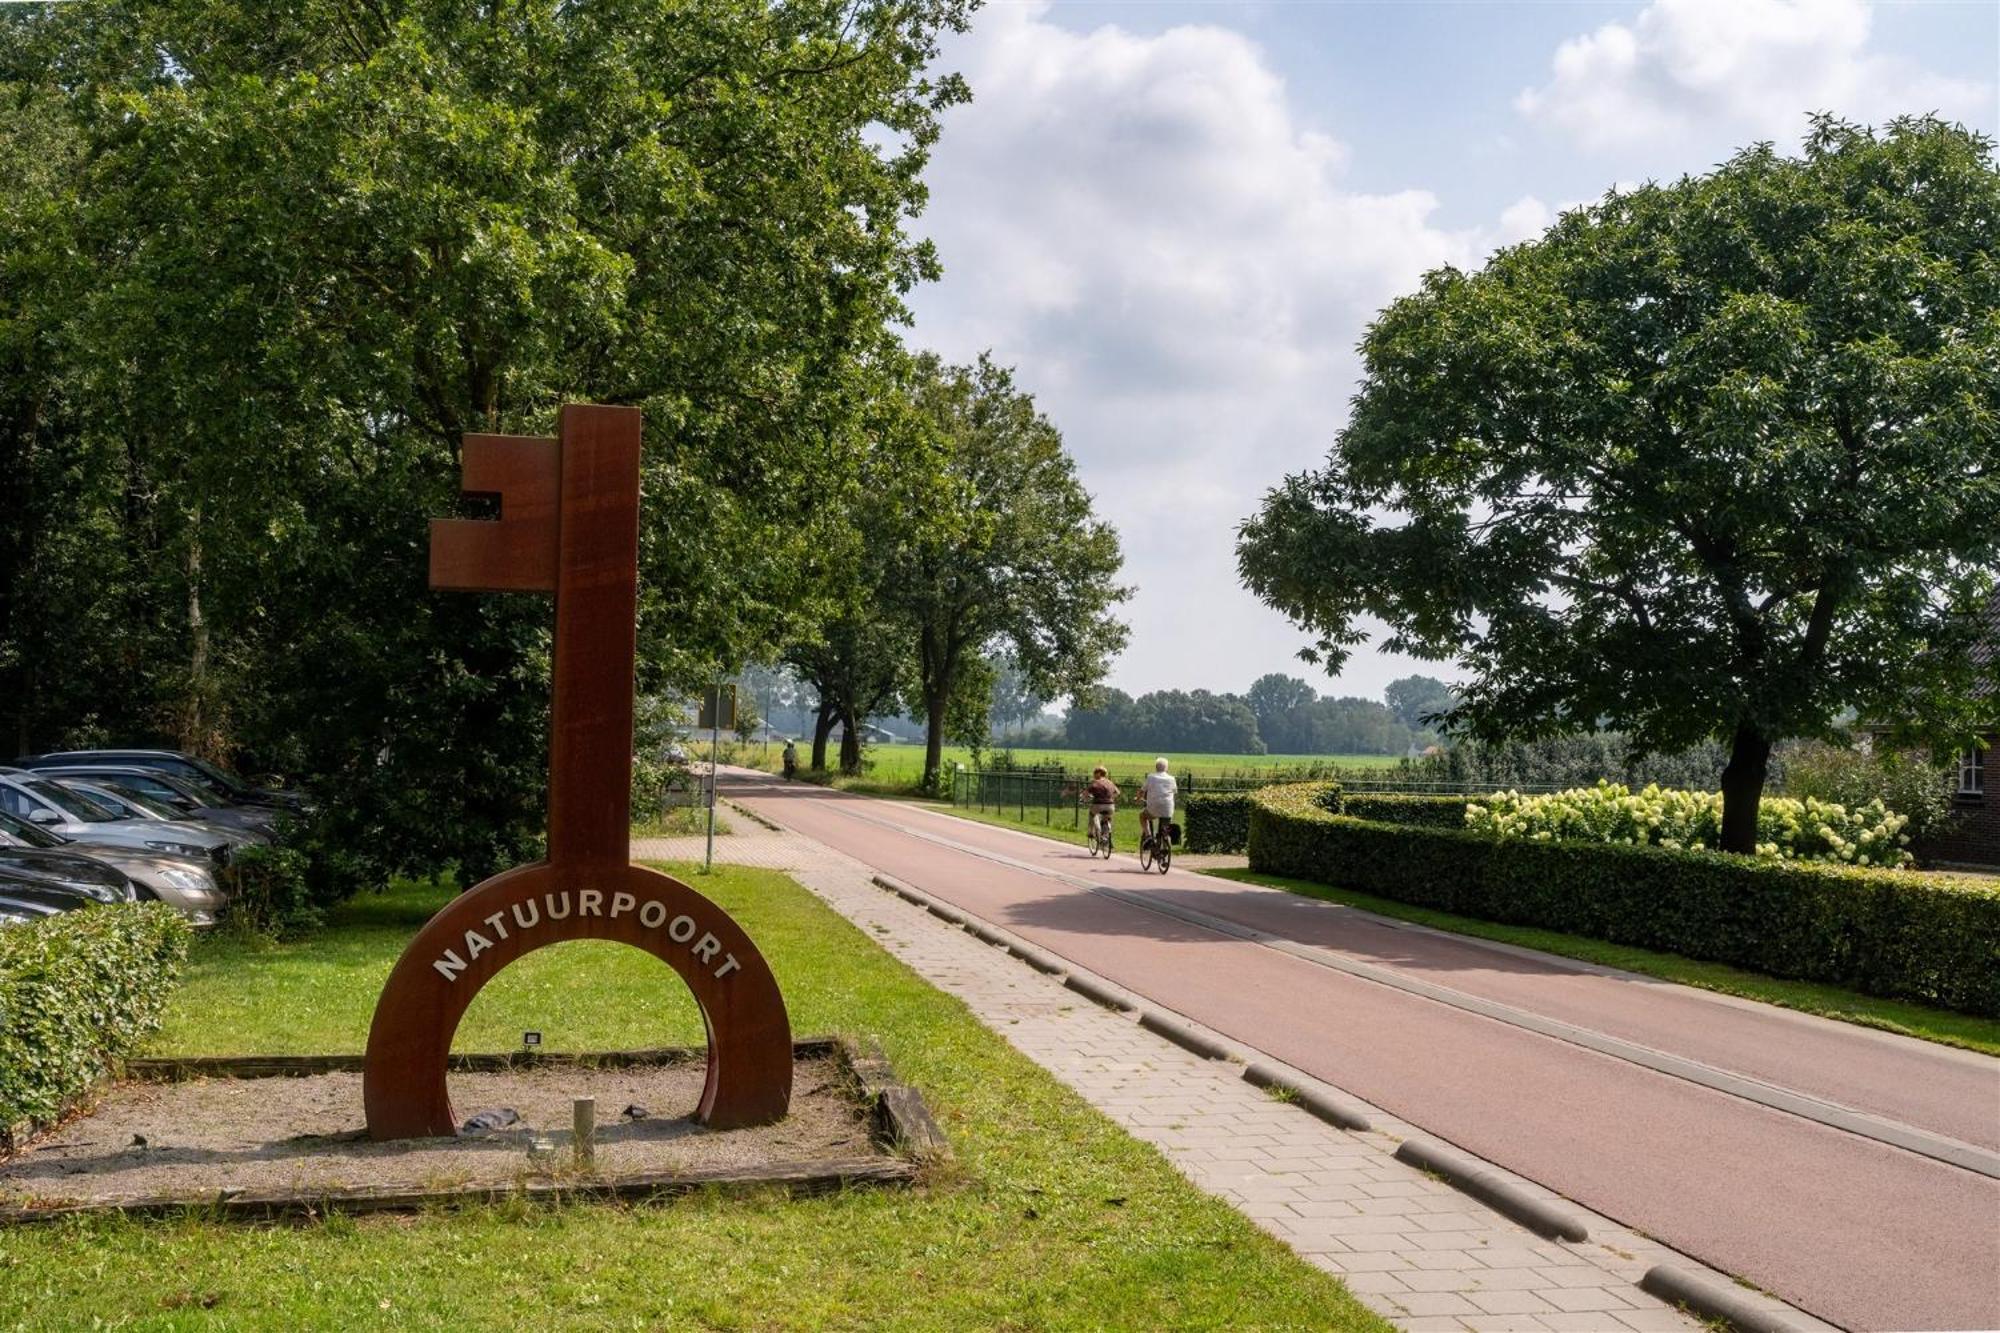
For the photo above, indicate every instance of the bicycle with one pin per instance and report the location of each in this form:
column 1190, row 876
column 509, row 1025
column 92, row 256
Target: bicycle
column 1156, row 849
column 1099, row 835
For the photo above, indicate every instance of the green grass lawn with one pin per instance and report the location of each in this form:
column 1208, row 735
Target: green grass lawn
column 898, row 768
column 1913, row 1020
column 1051, row 1218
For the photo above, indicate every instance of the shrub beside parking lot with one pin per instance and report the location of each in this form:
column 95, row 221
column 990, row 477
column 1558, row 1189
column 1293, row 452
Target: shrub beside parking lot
column 270, row 890
column 77, row 991
column 1884, row 932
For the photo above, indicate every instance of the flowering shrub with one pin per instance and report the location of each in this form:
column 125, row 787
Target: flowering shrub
column 1791, row 830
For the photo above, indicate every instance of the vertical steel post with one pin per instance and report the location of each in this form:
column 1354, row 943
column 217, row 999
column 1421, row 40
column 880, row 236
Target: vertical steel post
column 714, row 757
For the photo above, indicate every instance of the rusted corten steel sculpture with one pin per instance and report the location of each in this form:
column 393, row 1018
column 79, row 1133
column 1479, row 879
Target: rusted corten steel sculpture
column 569, row 525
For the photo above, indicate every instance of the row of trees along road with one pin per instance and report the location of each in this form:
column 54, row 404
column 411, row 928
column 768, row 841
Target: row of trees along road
column 1714, row 459
column 967, row 536
column 261, row 267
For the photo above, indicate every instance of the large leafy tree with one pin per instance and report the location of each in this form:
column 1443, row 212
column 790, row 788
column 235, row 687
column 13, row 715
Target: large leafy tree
column 1281, row 703
column 999, row 547
column 1719, row 458
column 301, row 250
column 1419, row 701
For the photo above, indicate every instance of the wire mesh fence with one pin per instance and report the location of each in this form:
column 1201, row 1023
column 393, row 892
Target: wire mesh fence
column 1052, row 796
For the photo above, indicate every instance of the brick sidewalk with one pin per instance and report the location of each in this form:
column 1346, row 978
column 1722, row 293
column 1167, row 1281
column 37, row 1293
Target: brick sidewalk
column 1414, row 1249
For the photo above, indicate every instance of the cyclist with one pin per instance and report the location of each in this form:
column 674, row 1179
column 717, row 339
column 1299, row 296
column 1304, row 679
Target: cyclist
column 1102, row 794
column 1158, row 793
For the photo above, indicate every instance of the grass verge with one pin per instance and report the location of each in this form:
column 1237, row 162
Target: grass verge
column 1052, row 1217
column 1911, row 1020
column 1124, row 824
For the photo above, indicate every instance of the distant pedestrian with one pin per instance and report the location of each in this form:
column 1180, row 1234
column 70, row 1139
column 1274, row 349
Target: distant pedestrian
column 791, row 758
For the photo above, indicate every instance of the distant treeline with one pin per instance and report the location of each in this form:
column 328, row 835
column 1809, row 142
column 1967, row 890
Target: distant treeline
column 1277, row 715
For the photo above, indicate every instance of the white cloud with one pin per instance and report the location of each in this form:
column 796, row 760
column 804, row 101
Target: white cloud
column 1687, row 71
column 1145, row 227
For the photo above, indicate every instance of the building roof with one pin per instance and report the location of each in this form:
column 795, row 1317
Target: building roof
column 1986, row 650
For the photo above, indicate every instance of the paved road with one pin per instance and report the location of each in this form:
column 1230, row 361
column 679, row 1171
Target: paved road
column 1850, row 1172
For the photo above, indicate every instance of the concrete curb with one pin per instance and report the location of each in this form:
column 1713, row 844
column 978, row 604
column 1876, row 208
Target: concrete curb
column 1183, row 1035
column 902, row 890
column 754, row 817
column 992, row 935
column 1506, row 1196
column 1039, row 959
column 1102, row 992
column 1308, row 1096
column 1743, row 1310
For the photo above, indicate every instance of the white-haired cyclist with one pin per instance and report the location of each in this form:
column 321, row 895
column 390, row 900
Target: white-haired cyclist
column 1157, row 792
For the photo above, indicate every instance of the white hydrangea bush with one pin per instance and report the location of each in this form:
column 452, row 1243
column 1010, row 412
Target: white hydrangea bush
column 1794, row 830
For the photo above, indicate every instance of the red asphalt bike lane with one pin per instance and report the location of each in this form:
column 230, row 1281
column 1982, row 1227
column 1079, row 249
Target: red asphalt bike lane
column 1856, row 1231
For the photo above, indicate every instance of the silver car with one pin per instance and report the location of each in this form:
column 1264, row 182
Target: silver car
column 133, row 805
column 74, row 815
column 189, row 886
column 191, row 798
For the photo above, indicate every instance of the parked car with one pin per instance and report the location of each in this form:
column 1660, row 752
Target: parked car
column 189, row 798
column 28, row 904
column 189, row 886
column 175, row 763
column 73, row 872
column 131, row 805
column 43, row 801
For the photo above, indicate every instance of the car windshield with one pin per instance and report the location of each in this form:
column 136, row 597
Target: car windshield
column 72, row 803
column 34, row 835
column 130, row 805
column 155, row 794
column 197, row 788
column 227, row 782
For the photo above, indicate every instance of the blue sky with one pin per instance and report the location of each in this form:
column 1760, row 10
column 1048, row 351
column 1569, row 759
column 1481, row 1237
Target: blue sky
column 1176, row 220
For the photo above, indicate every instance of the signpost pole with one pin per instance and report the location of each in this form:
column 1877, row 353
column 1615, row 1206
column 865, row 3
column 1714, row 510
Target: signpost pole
column 714, row 756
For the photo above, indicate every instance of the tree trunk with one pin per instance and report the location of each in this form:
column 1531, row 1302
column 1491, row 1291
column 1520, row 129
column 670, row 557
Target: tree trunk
column 850, row 744
column 822, row 727
column 934, row 700
column 1743, row 788
column 194, row 716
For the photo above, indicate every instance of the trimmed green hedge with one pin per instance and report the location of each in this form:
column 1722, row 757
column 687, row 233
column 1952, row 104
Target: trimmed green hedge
column 1217, row 823
column 77, row 991
column 1220, row 821
column 1423, row 811
column 1883, row 932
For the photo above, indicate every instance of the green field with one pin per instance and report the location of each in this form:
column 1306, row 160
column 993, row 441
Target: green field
column 1051, row 1218
column 901, row 767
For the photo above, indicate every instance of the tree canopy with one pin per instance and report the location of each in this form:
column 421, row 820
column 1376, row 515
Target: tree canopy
column 999, row 548
column 1718, row 458
column 269, row 264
